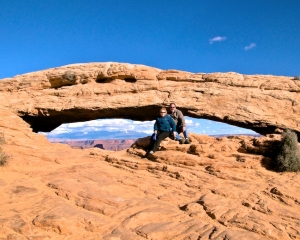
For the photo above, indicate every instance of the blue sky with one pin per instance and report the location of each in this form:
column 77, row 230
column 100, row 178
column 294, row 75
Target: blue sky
column 248, row 37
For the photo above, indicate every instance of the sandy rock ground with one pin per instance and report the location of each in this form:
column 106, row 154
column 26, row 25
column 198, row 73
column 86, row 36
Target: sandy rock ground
column 212, row 188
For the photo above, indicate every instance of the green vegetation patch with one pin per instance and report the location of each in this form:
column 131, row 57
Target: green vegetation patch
column 287, row 157
column 3, row 156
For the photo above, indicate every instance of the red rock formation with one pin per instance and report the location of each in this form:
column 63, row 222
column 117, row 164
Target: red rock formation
column 82, row 92
column 214, row 188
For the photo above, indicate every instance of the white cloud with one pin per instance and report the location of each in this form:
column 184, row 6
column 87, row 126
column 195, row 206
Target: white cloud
column 251, row 46
column 148, row 131
column 111, row 125
column 138, row 124
column 108, row 122
column 61, row 130
column 189, row 122
column 217, row 39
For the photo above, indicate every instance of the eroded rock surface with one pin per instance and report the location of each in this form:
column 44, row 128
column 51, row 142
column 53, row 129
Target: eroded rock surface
column 213, row 188
column 81, row 92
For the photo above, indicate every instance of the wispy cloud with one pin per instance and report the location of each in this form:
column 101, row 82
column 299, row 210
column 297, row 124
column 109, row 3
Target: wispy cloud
column 217, row 39
column 110, row 125
column 251, row 46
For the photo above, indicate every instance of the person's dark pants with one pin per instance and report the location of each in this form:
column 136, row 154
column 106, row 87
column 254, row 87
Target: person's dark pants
column 155, row 144
column 179, row 130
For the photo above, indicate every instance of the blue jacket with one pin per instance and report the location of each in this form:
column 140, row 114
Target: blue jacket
column 164, row 124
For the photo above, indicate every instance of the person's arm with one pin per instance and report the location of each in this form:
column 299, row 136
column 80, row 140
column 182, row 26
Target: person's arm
column 181, row 117
column 173, row 126
column 155, row 127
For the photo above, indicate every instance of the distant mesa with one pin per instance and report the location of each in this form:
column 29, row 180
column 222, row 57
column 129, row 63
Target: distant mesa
column 113, row 144
column 81, row 92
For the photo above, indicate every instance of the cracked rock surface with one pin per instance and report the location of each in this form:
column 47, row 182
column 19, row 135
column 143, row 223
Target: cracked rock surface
column 213, row 188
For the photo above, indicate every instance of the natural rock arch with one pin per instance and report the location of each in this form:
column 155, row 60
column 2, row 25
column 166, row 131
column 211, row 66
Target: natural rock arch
column 82, row 92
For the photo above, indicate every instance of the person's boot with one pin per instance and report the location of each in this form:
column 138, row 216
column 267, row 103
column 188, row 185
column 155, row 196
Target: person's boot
column 148, row 154
column 187, row 141
column 182, row 141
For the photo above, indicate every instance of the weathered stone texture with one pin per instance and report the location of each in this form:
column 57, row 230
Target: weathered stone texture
column 81, row 92
column 213, row 188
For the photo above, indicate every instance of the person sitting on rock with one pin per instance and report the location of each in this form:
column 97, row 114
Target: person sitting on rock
column 162, row 127
column 180, row 124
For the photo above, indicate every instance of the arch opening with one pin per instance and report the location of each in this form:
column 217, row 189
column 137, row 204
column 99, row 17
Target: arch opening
column 46, row 121
column 122, row 129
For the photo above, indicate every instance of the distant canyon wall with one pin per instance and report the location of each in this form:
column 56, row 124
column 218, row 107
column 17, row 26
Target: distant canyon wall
column 113, row 145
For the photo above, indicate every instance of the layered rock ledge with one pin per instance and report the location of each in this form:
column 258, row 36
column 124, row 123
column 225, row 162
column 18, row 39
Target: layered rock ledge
column 81, row 92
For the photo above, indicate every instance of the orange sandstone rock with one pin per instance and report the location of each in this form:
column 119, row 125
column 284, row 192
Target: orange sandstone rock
column 214, row 188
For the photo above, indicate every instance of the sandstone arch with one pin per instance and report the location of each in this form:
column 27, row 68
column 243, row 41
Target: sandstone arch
column 81, row 92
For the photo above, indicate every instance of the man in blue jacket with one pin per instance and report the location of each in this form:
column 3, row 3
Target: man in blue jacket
column 162, row 127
